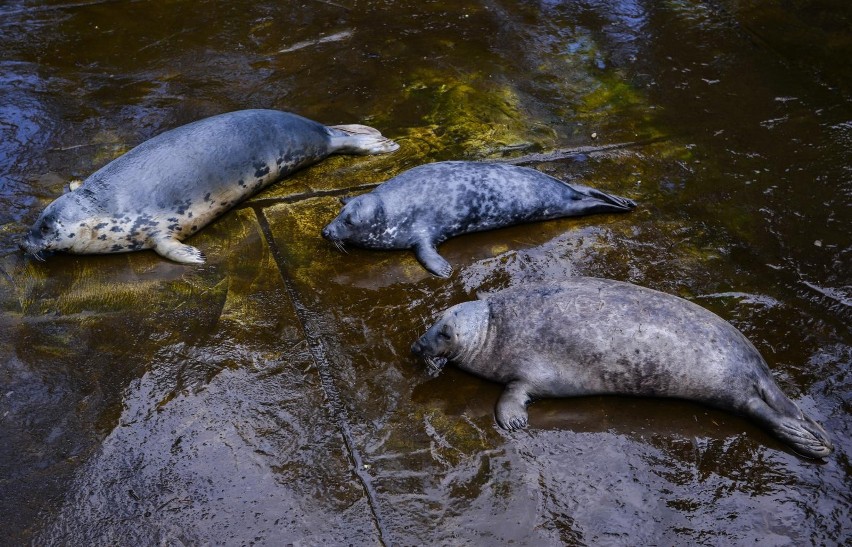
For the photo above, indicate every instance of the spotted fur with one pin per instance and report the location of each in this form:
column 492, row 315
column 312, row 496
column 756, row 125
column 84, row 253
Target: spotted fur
column 426, row 205
column 171, row 186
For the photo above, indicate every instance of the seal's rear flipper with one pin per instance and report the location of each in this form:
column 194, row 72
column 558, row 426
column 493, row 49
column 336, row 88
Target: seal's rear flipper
column 601, row 202
column 618, row 202
column 359, row 139
column 428, row 256
column 802, row 434
column 177, row 251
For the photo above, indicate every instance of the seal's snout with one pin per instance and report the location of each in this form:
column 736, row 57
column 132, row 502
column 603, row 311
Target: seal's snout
column 330, row 234
column 434, row 363
column 28, row 245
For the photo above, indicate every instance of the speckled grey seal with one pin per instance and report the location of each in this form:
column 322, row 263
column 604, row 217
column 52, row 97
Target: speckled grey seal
column 586, row 336
column 172, row 185
column 424, row 206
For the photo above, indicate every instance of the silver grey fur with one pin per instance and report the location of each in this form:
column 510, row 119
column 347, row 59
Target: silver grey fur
column 424, row 206
column 587, row 336
column 172, row 185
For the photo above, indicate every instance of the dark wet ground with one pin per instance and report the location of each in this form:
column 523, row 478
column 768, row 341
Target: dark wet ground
column 269, row 396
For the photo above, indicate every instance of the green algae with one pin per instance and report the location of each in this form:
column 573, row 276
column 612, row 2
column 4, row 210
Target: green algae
column 469, row 116
column 463, row 117
column 611, row 94
column 613, row 98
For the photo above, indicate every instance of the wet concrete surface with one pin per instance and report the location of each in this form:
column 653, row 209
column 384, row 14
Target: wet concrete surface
column 269, row 397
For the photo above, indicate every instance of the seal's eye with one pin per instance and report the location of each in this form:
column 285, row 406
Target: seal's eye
column 444, row 334
column 45, row 228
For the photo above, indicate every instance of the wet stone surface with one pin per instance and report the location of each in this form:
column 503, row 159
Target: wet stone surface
column 269, row 396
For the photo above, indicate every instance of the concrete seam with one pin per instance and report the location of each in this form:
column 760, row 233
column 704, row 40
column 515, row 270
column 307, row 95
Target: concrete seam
column 318, row 355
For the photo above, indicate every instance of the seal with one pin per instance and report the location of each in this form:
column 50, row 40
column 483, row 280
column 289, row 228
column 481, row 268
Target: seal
column 587, row 336
column 171, row 186
column 424, row 206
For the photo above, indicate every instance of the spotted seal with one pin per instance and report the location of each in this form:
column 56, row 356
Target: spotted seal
column 171, row 186
column 587, row 336
column 424, row 206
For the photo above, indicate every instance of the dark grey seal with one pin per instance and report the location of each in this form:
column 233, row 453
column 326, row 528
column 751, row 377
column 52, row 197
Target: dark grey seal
column 587, row 336
column 172, row 185
column 424, row 206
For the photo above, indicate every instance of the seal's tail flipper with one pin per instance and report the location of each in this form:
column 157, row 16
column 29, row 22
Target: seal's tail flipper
column 783, row 418
column 618, row 202
column 359, row 139
column 609, row 202
column 600, row 202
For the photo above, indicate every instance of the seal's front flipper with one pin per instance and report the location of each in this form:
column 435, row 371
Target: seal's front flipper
column 177, row 251
column 428, row 256
column 359, row 139
column 512, row 406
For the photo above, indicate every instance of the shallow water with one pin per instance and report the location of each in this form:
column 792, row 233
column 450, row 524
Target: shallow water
column 269, row 397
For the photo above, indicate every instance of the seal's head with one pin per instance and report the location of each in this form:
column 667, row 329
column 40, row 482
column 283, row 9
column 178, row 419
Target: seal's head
column 361, row 222
column 457, row 336
column 62, row 226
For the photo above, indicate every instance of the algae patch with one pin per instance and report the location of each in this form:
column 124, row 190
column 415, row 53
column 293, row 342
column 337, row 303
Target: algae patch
column 468, row 117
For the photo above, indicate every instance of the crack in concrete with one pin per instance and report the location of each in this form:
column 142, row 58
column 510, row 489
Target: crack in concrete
column 566, row 153
column 554, row 155
column 318, row 356
column 261, row 203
